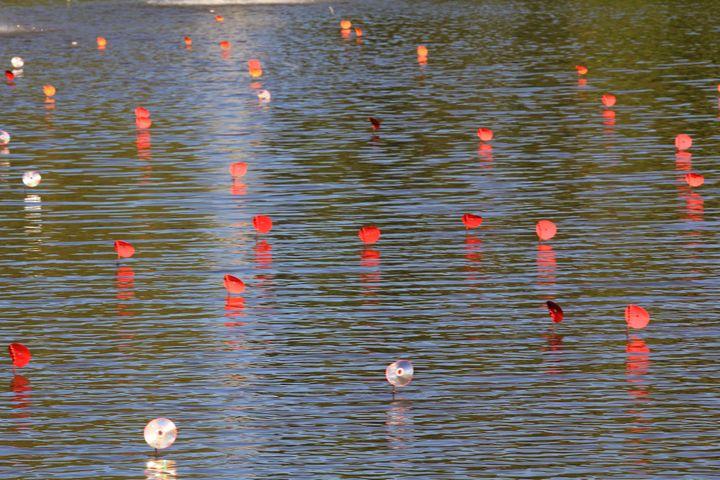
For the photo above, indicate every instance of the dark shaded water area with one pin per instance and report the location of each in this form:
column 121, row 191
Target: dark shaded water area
column 287, row 380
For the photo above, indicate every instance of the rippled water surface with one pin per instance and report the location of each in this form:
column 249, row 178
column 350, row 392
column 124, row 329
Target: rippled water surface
column 287, row 380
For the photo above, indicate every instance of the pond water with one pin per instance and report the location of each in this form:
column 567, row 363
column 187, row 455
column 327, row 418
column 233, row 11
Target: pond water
column 287, row 380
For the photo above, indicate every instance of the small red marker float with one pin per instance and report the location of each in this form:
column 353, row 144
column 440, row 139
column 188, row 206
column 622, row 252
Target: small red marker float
column 49, row 92
column 358, row 32
column 608, row 100
column 10, row 76
column 375, row 123
column 188, row 41
column 19, row 354
column 555, row 311
column 238, row 169
column 422, row 51
column 124, row 249
column 545, row 229
column 636, row 317
column 143, row 122
column 345, row 24
column 581, row 70
column 369, row 234
column 225, row 45
column 471, row 221
column 262, row 223
column 255, row 68
column 219, row 18
column 694, row 179
column 233, row 284
column 101, row 43
column 683, row 142
column 485, row 134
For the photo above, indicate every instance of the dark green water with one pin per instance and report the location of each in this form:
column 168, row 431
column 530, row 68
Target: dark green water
column 288, row 381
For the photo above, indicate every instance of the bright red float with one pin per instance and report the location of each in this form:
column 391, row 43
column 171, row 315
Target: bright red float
column 636, row 317
column 233, row 284
column 694, row 179
column 581, row 70
column 608, row 100
column 485, row 134
column 49, row 90
column 255, row 68
column 545, row 229
column 238, row 169
column 262, row 223
column 19, row 354
column 369, row 234
column 555, row 311
column 683, row 142
column 471, row 221
column 375, row 123
column 124, row 249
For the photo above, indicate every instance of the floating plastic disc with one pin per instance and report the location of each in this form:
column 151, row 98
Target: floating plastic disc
column 399, row 373
column 160, row 433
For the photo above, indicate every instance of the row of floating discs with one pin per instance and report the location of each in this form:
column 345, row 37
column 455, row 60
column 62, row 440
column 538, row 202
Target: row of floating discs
column 161, row 432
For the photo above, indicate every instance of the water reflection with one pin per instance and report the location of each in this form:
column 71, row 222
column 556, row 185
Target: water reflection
column 370, row 279
column 637, row 367
column 552, row 352
column 238, row 187
column 143, row 142
column 399, row 424
column 125, row 292
column 20, row 403
column 234, row 308
column 694, row 206
column 125, row 284
column 609, row 122
column 683, row 161
column 546, row 265
column 485, row 155
column 473, row 255
column 34, row 222
column 160, row 469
